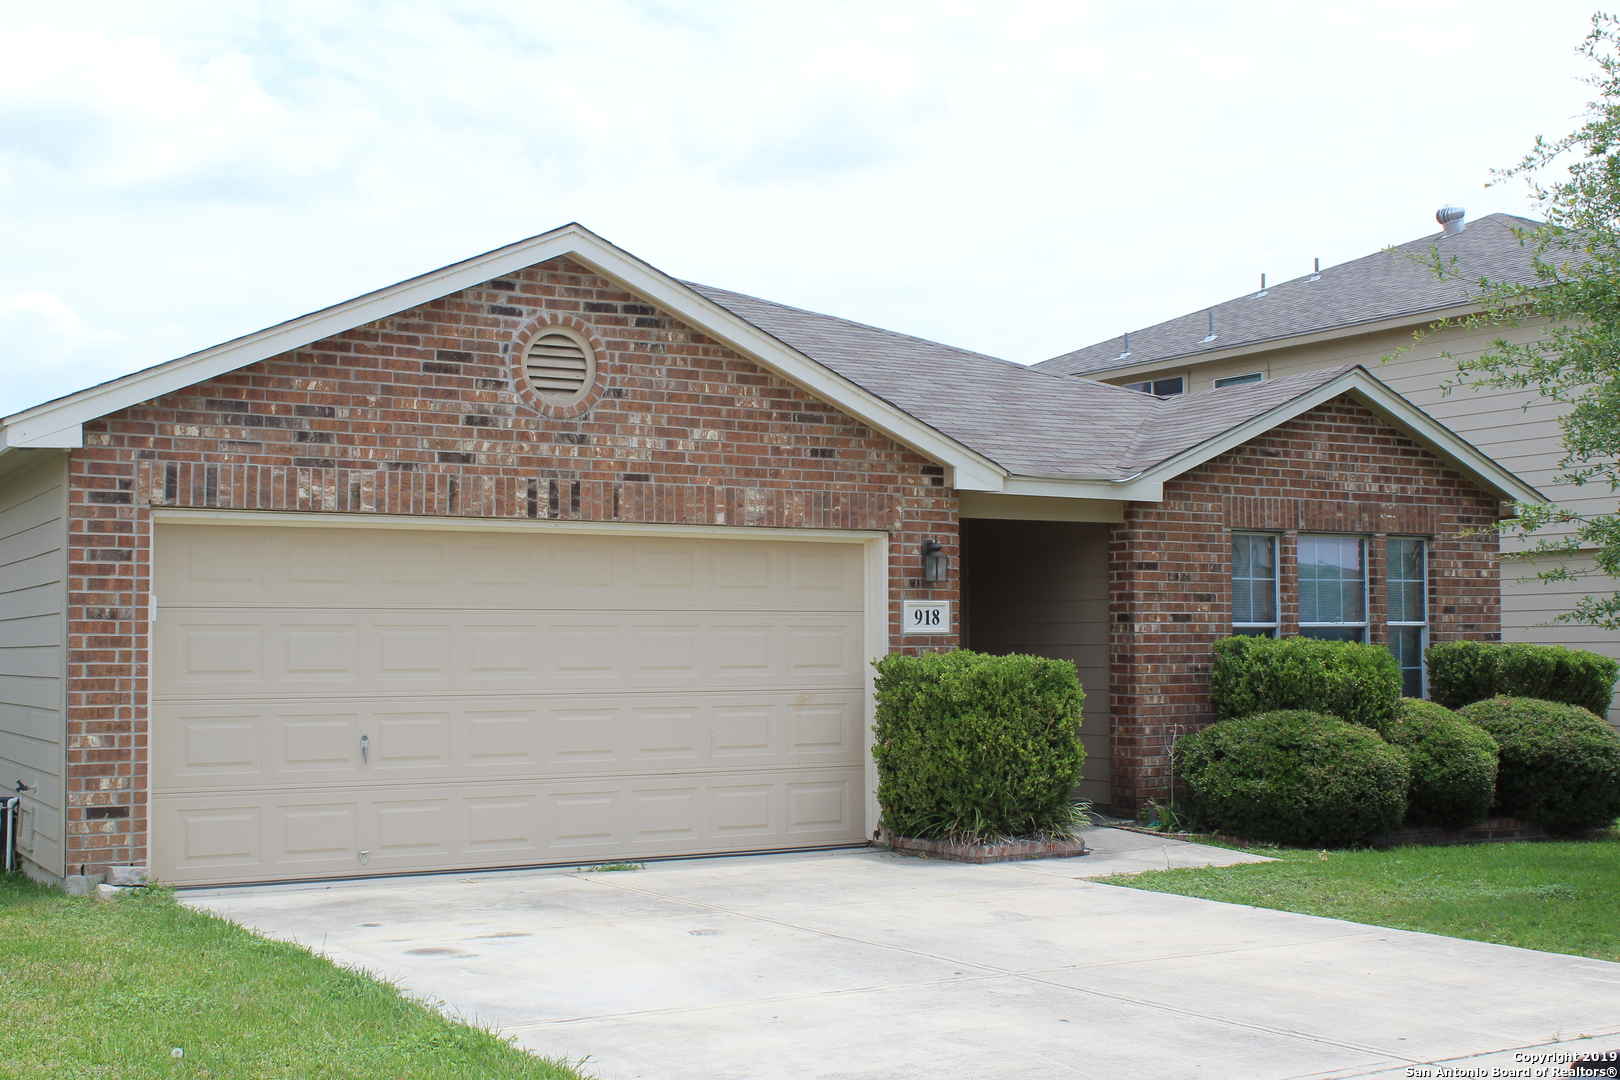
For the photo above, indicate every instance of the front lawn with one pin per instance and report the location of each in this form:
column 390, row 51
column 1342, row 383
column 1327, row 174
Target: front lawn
column 1555, row 896
column 93, row 989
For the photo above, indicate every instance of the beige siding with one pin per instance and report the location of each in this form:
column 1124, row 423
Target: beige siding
column 1041, row 587
column 33, row 533
column 1518, row 429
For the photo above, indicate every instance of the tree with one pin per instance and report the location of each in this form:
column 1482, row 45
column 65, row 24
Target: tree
column 1575, row 258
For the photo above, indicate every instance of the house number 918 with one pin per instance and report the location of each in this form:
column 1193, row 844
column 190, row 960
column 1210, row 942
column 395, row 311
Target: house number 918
column 926, row 616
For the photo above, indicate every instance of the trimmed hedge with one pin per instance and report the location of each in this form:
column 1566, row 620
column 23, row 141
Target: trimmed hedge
column 1299, row 778
column 1355, row 682
column 1559, row 764
column 1452, row 762
column 1463, row 672
column 973, row 747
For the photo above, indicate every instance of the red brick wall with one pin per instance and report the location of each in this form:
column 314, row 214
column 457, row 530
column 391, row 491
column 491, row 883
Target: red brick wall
column 1335, row 469
column 423, row 413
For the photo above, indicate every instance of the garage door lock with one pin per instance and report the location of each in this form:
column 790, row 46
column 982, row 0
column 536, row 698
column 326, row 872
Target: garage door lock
column 365, row 856
column 365, row 747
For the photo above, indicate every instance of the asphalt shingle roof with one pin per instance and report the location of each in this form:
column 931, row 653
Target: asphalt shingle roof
column 1383, row 285
column 1029, row 422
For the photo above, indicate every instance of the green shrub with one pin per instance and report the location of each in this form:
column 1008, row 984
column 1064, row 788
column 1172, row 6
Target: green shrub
column 1299, row 778
column 1358, row 683
column 1559, row 764
column 1463, row 672
column 973, row 747
column 1452, row 762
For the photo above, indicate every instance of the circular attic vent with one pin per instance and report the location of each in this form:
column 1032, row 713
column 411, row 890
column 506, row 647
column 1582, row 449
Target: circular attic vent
column 560, row 366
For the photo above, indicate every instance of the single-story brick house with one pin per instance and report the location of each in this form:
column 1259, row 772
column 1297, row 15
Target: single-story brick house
column 547, row 557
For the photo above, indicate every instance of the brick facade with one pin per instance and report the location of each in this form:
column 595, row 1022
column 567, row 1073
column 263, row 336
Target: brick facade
column 426, row 413
column 1335, row 469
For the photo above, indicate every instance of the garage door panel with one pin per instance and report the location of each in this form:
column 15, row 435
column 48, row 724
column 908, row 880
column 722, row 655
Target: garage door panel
column 336, row 702
column 357, row 830
column 821, row 807
column 297, row 744
column 410, row 740
column 219, row 834
column 317, row 832
column 220, row 744
column 309, row 652
column 319, row 743
column 411, row 828
column 244, row 565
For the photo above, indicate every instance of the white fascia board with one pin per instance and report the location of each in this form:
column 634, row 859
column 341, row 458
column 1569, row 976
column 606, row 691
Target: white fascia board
column 60, row 423
column 1387, row 403
column 1264, row 345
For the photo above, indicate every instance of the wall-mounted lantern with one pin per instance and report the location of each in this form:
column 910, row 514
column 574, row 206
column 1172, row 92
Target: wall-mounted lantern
column 936, row 564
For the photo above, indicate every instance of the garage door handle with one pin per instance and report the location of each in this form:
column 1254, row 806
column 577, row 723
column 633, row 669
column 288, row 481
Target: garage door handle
column 365, row 747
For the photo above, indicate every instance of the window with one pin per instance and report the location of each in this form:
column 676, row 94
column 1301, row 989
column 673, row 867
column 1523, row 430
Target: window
column 1239, row 380
column 1254, row 584
column 1408, row 580
column 1160, row 387
column 1333, row 588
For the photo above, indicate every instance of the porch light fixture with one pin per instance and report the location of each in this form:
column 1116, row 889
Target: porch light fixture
column 935, row 562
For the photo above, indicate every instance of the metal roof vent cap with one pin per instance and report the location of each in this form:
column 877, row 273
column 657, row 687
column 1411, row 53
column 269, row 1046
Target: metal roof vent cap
column 1451, row 219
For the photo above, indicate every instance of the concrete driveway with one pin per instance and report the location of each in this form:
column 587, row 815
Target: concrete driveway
column 868, row 965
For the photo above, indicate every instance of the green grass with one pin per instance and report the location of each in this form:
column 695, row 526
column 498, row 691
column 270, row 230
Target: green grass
column 92, row 989
column 1554, row 896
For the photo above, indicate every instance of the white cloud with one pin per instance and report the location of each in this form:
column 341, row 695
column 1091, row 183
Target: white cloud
column 47, row 350
column 1019, row 177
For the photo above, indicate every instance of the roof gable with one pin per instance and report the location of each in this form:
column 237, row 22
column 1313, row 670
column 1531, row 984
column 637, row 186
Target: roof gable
column 59, row 423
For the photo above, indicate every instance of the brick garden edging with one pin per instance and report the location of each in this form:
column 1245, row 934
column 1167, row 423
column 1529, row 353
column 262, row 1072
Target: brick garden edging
column 1013, row 851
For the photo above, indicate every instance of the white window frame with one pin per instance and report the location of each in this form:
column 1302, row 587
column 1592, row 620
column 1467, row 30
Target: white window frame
column 1421, row 626
column 1240, row 380
column 1363, row 625
column 1273, row 628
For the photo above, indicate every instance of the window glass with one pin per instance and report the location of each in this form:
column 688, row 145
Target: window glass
column 1409, row 604
column 1332, row 580
column 1162, row 387
column 1239, row 380
column 1406, row 642
column 1408, row 583
column 1333, row 633
column 1254, row 580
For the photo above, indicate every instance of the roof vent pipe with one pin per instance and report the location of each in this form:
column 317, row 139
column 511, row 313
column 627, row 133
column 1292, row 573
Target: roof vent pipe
column 1126, row 351
column 1450, row 219
column 1211, row 336
column 1316, row 274
column 1262, row 291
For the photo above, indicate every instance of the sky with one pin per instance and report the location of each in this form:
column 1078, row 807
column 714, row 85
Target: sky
column 1018, row 177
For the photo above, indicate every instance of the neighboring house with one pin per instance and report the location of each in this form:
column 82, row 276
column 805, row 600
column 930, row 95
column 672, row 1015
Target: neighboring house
column 1358, row 313
column 547, row 557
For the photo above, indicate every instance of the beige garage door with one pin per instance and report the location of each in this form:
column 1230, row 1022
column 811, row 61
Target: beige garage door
column 333, row 702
